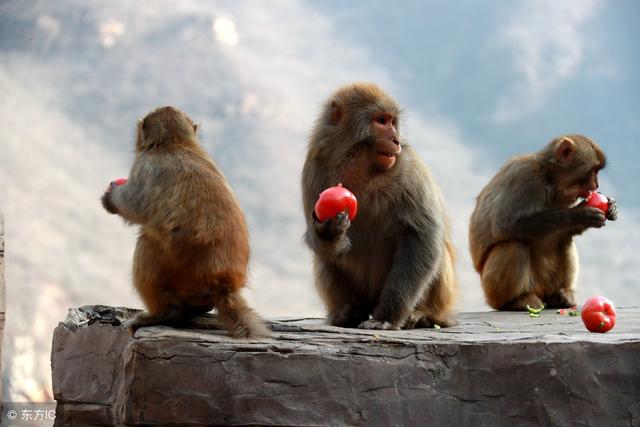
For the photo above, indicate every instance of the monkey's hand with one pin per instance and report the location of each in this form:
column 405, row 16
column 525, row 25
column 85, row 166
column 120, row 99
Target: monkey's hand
column 612, row 212
column 333, row 228
column 587, row 216
column 378, row 324
column 107, row 203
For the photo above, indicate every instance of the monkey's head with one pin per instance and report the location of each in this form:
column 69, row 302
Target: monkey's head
column 361, row 115
column 163, row 126
column 574, row 162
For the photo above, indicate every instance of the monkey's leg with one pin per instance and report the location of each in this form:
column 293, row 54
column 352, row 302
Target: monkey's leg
column 507, row 278
column 564, row 280
column 339, row 297
column 436, row 307
column 149, row 280
column 416, row 265
column 239, row 319
column 169, row 316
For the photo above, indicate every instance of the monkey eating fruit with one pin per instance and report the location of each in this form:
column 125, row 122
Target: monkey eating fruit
column 521, row 231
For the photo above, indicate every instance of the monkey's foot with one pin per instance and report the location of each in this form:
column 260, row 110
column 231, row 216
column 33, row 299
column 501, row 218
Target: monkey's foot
column 561, row 299
column 521, row 303
column 420, row 320
column 348, row 316
column 131, row 325
column 171, row 316
column 377, row 324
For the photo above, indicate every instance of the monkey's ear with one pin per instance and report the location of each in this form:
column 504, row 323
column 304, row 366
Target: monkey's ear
column 565, row 149
column 336, row 113
column 195, row 127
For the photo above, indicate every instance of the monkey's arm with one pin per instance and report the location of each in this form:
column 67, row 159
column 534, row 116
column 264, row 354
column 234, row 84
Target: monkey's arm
column 123, row 200
column 329, row 238
column 415, row 264
column 549, row 221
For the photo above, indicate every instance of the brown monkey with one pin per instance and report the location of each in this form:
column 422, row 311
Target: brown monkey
column 521, row 231
column 395, row 261
column 193, row 248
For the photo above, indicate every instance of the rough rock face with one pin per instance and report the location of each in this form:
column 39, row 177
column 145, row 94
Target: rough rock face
column 491, row 369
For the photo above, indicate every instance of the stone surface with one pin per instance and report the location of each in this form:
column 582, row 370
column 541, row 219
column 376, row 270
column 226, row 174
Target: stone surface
column 490, row 369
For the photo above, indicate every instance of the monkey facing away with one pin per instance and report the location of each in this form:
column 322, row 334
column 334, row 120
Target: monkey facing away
column 193, row 247
column 522, row 228
column 395, row 262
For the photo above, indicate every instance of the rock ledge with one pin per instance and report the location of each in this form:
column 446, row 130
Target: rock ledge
column 491, row 369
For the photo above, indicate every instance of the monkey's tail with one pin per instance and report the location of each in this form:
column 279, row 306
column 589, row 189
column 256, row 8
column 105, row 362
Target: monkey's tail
column 241, row 320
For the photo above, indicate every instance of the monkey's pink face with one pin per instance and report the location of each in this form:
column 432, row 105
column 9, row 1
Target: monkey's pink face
column 386, row 143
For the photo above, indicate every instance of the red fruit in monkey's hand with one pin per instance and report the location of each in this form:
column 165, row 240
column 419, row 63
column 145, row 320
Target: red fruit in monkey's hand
column 599, row 201
column 598, row 314
column 116, row 182
column 334, row 200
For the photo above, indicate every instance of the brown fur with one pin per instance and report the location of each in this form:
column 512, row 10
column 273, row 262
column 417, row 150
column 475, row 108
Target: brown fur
column 395, row 261
column 521, row 231
column 193, row 247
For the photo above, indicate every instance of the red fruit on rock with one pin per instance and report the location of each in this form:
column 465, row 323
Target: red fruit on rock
column 599, row 201
column 335, row 200
column 598, row 314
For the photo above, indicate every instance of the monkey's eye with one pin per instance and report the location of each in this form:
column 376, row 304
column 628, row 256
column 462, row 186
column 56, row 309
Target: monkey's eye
column 382, row 120
column 394, row 122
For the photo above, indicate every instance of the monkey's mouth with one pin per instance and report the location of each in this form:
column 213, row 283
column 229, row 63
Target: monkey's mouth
column 382, row 153
column 386, row 160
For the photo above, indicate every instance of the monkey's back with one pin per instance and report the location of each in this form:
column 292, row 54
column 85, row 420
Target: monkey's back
column 196, row 217
column 509, row 195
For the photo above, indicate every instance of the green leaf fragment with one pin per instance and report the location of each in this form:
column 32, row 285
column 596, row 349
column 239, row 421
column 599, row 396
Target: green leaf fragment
column 534, row 315
column 534, row 310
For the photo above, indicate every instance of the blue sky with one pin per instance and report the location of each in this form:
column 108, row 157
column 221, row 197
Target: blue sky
column 479, row 83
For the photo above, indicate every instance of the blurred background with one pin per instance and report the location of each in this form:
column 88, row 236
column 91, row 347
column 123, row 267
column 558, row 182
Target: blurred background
column 479, row 83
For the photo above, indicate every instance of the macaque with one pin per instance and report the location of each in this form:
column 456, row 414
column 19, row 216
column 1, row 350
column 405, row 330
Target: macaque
column 522, row 228
column 193, row 247
column 393, row 266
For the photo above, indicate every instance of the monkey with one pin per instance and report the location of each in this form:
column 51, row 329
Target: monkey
column 192, row 251
column 521, row 230
column 393, row 266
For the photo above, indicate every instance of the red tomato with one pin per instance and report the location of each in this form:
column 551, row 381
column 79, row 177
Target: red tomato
column 598, row 314
column 334, row 200
column 599, row 201
column 116, row 183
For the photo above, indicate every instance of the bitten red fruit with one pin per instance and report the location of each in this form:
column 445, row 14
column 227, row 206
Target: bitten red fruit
column 598, row 314
column 334, row 200
column 599, row 201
